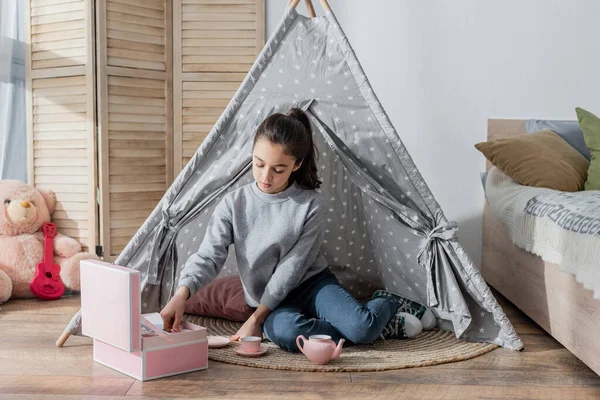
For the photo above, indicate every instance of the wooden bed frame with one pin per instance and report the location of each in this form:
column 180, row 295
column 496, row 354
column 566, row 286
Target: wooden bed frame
column 553, row 299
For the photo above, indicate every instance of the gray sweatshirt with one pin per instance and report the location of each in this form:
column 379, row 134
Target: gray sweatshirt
column 277, row 242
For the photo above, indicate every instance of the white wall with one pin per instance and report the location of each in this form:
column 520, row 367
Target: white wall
column 442, row 68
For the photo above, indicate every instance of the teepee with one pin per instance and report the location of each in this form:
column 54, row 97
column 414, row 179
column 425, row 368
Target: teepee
column 384, row 227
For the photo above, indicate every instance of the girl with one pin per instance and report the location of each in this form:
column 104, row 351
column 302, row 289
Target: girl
column 276, row 224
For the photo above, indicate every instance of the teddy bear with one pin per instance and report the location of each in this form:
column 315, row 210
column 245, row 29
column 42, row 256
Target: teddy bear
column 23, row 211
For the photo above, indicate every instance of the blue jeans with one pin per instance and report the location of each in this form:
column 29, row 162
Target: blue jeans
column 320, row 305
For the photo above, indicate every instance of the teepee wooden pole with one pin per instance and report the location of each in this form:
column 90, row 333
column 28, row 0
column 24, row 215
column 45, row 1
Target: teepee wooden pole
column 309, row 6
column 311, row 9
column 325, row 6
column 62, row 339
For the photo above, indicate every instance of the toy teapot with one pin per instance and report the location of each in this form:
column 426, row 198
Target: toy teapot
column 320, row 349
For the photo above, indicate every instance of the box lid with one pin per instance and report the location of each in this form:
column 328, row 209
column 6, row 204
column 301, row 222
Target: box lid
column 111, row 304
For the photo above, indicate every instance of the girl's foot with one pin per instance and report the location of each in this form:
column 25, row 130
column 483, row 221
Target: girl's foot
column 402, row 326
column 412, row 307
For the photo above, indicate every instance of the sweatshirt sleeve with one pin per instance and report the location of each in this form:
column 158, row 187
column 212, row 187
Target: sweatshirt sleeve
column 297, row 261
column 204, row 266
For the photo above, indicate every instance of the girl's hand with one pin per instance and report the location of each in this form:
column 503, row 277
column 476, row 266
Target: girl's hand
column 172, row 314
column 252, row 327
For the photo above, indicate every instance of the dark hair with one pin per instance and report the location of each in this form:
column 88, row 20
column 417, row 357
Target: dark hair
column 293, row 131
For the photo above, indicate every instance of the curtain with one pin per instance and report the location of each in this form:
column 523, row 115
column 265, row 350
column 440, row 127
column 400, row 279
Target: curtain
column 13, row 134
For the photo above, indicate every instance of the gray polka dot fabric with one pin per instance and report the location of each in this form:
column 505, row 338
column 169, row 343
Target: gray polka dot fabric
column 384, row 228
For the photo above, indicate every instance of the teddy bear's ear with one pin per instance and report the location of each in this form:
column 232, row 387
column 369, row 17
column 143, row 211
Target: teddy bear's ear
column 50, row 199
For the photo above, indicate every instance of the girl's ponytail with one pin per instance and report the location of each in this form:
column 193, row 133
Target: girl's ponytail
column 307, row 175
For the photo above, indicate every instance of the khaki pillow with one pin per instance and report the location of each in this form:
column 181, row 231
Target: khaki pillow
column 540, row 159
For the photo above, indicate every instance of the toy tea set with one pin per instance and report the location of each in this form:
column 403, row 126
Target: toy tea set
column 319, row 349
column 136, row 344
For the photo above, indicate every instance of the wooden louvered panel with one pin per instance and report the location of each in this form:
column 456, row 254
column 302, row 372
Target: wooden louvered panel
column 215, row 44
column 135, row 104
column 54, row 54
column 40, row 40
column 218, row 51
column 133, row 36
column 57, row 27
column 50, row 142
column 217, row 34
column 145, row 49
column 203, row 103
column 43, row 3
column 134, row 18
column 219, row 16
column 58, row 39
column 136, row 143
column 150, row 4
column 57, row 34
column 136, row 198
column 118, row 30
column 57, row 45
column 60, row 111
column 57, row 8
column 220, row 8
column 207, row 25
column 74, row 15
column 60, row 155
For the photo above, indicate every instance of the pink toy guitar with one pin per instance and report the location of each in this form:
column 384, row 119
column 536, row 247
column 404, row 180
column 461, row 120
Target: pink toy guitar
column 47, row 284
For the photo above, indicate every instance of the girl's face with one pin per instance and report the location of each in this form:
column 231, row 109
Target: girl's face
column 272, row 167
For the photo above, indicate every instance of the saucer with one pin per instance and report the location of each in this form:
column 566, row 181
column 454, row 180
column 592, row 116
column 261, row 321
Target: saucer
column 263, row 350
column 216, row 342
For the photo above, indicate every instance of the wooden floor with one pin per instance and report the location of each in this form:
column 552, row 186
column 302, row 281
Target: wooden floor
column 32, row 367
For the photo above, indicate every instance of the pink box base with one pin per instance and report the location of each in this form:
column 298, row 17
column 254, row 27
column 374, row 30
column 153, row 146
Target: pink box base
column 155, row 363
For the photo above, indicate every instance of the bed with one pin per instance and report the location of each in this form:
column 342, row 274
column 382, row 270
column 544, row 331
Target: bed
column 552, row 298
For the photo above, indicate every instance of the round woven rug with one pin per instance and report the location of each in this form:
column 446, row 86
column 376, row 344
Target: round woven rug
column 429, row 348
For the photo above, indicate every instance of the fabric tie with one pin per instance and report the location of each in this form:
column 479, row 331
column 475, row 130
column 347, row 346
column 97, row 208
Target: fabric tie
column 445, row 231
column 164, row 230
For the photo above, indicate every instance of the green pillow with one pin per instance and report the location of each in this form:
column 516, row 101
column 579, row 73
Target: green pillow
column 590, row 125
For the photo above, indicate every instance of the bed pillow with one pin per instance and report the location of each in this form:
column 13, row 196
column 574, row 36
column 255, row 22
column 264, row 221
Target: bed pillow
column 590, row 125
column 540, row 159
column 222, row 298
column 570, row 131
